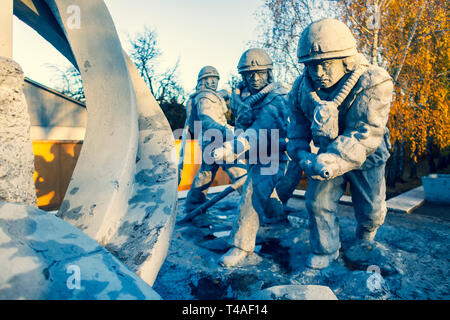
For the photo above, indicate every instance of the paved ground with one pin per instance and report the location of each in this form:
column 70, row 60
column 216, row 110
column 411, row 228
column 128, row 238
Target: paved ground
column 411, row 254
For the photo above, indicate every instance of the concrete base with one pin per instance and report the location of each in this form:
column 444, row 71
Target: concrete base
column 43, row 257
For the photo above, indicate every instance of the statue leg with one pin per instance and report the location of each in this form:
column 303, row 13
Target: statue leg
column 322, row 198
column 257, row 189
column 368, row 188
column 199, row 189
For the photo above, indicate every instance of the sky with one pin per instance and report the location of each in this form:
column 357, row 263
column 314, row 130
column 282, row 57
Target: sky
column 199, row 32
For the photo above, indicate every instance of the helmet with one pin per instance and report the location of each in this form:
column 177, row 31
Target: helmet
column 254, row 59
column 326, row 39
column 208, row 71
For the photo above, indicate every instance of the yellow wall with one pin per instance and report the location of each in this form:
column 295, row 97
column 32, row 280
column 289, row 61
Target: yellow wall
column 191, row 165
column 55, row 161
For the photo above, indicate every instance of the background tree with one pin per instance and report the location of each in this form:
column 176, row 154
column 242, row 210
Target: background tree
column 165, row 86
column 169, row 88
column 281, row 23
column 68, row 82
column 409, row 39
column 144, row 52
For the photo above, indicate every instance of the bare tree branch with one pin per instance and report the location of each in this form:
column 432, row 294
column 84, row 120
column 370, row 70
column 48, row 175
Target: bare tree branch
column 145, row 52
column 411, row 36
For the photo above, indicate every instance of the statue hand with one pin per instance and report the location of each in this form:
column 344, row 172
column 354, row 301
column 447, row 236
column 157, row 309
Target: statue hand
column 318, row 167
column 224, row 93
column 224, row 153
column 307, row 163
column 326, row 167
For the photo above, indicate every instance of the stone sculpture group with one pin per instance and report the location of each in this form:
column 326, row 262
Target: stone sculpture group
column 341, row 104
column 126, row 199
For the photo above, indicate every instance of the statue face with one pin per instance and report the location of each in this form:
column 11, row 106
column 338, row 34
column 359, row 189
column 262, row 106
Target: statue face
column 325, row 73
column 256, row 80
column 211, row 83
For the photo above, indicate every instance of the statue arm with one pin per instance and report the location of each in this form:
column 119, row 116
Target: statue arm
column 208, row 111
column 272, row 116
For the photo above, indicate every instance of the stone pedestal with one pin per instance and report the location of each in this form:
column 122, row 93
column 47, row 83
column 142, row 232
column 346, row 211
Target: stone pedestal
column 16, row 151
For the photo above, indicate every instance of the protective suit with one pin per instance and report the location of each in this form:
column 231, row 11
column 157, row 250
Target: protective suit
column 262, row 115
column 209, row 108
column 269, row 113
column 348, row 123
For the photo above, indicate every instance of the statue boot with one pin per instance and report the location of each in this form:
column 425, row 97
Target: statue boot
column 366, row 234
column 233, row 257
column 321, row 261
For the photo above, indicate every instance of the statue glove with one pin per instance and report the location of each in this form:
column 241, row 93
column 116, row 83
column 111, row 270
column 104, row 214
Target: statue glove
column 224, row 153
column 307, row 163
column 327, row 166
column 319, row 167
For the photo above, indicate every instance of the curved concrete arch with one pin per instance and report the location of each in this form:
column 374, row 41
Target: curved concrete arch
column 98, row 193
column 117, row 192
column 143, row 239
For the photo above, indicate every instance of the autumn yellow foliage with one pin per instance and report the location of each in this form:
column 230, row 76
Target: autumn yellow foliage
column 410, row 40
